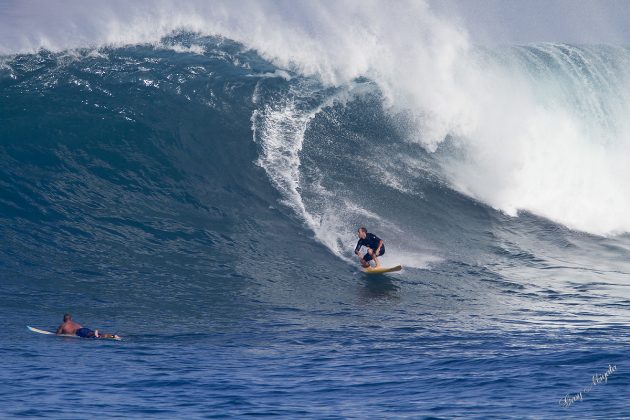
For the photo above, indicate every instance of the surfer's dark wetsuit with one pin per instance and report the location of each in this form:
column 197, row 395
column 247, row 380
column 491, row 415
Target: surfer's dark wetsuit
column 371, row 241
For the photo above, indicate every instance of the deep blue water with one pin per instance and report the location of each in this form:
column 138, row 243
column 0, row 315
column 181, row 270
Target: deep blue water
column 203, row 206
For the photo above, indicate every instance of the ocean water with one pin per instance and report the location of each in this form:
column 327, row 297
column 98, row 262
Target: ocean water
column 199, row 195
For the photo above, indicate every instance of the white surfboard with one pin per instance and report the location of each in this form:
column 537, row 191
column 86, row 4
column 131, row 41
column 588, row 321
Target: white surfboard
column 37, row 330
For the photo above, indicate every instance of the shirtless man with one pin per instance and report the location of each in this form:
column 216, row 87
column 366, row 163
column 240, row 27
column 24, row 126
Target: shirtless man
column 72, row 328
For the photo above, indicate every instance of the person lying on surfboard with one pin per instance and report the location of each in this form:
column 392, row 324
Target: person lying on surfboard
column 375, row 248
column 72, row 328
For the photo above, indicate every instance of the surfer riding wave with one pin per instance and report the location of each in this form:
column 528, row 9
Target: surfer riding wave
column 375, row 248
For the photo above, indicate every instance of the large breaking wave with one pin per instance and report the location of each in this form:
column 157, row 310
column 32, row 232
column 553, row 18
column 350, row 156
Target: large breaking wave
column 374, row 115
column 538, row 128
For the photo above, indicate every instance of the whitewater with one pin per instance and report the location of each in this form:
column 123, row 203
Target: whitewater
column 192, row 176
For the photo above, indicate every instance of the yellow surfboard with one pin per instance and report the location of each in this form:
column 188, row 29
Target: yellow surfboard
column 382, row 270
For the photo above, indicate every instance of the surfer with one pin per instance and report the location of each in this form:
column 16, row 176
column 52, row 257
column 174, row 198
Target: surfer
column 375, row 248
column 72, row 328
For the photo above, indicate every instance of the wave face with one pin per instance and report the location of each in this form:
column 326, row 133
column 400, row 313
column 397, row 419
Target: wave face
column 539, row 128
column 193, row 177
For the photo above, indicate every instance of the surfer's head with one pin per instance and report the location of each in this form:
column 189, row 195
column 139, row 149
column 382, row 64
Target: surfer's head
column 67, row 317
column 362, row 232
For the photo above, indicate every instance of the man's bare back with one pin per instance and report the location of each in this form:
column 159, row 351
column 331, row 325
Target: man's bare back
column 68, row 327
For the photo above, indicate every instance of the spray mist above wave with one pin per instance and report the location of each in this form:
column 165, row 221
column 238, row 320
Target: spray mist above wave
column 540, row 129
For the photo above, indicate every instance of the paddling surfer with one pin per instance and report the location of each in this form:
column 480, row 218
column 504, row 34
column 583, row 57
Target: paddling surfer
column 375, row 248
column 70, row 327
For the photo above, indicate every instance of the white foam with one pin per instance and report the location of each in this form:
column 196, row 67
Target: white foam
column 553, row 145
column 180, row 48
